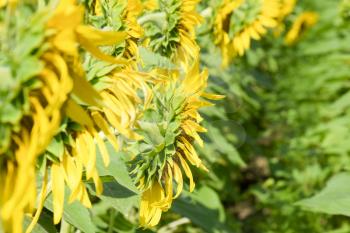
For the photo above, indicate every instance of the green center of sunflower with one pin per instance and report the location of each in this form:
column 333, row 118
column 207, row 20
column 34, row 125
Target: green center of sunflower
column 243, row 16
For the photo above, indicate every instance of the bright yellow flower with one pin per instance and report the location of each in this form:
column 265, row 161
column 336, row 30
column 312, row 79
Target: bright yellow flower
column 239, row 21
column 303, row 22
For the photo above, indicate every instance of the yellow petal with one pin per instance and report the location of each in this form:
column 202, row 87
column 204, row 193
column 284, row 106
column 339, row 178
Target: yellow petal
column 42, row 197
column 97, row 182
column 57, row 178
column 178, row 178
column 77, row 113
column 99, row 38
column 102, row 147
column 212, row 96
column 86, row 92
column 187, row 172
column 102, row 124
column 94, row 50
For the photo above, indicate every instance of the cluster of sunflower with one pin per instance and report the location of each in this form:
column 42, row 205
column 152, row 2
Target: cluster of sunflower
column 235, row 24
column 76, row 75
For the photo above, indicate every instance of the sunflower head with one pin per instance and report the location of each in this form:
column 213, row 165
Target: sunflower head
column 169, row 30
column 303, row 22
column 118, row 15
column 170, row 127
column 239, row 21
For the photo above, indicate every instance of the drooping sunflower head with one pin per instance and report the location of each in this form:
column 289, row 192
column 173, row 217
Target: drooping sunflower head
column 239, row 21
column 169, row 29
column 170, row 127
column 302, row 23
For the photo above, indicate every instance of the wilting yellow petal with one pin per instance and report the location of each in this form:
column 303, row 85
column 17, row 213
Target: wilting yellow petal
column 212, row 96
column 178, row 178
column 102, row 147
column 189, row 152
column 77, row 113
column 57, row 177
column 90, row 163
column 97, row 182
column 149, row 213
column 98, row 37
column 65, row 42
column 73, row 172
column 42, row 197
column 102, row 124
column 85, row 91
column 187, row 172
column 94, row 50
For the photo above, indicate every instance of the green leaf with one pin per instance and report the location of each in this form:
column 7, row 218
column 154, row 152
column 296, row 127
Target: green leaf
column 99, row 69
column 119, row 197
column 8, row 82
column 29, row 67
column 333, row 199
column 116, row 168
column 56, row 147
column 75, row 214
column 44, row 224
column 203, row 208
column 10, row 113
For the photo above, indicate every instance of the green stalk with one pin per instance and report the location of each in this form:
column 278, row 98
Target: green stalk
column 65, row 227
column 111, row 222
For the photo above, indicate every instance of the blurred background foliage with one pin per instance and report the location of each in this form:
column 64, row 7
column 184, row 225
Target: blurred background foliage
column 279, row 135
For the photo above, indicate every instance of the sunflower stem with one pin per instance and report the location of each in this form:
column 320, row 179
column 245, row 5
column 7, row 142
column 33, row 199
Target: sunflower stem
column 65, row 227
column 111, row 222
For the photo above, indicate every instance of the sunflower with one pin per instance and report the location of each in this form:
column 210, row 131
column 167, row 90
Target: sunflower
column 170, row 30
column 239, row 21
column 44, row 88
column 169, row 128
column 120, row 15
column 110, row 109
column 113, row 107
column 303, row 22
column 53, row 74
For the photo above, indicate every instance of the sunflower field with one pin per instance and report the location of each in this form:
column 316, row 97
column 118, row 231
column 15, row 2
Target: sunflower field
column 175, row 116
